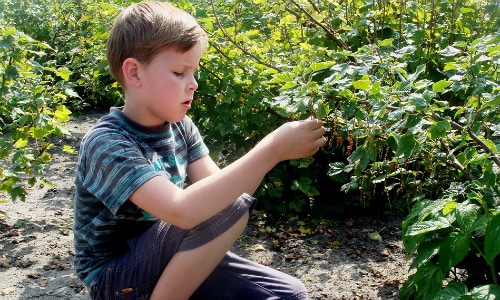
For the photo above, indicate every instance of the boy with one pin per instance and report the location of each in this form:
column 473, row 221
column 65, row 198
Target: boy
column 138, row 233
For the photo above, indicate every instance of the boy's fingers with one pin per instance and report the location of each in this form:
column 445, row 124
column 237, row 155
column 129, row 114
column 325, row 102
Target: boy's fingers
column 315, row 122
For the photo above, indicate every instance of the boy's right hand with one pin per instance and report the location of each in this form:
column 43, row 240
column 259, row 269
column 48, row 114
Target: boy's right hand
column 296, row 139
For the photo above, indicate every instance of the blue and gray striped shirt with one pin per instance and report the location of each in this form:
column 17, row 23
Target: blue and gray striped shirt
column 116, row 157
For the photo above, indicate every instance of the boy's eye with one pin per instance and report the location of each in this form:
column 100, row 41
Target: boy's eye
column 178, row 73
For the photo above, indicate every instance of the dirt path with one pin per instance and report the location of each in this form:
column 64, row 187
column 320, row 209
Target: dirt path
column 345, row 261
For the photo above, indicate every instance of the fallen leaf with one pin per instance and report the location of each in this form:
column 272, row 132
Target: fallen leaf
column 333, row 245
column 257, row 248
column 4, row 263
column 12, row 233
column 291, row 256
column 64, row 232
column 349, row 222
column 304, row 230
column 375, row 236
column 33, row 275
column 8, row 291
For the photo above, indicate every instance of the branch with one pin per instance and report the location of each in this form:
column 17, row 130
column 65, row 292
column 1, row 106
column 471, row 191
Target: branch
column 330, row 33
column 455, row 163
column 456, row 126
column 314, row 6
column 474, row 137
column 245, row 52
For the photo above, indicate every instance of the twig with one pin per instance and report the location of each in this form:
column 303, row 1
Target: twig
column 330, row 33
column 229, row 38
column 455, row 163
column 456, row 126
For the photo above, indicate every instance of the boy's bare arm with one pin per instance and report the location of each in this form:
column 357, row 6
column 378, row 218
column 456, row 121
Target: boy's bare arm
column 209, row 195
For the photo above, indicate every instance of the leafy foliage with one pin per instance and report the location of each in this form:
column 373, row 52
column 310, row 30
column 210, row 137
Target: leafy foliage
column 51, row 56
column 411, row 104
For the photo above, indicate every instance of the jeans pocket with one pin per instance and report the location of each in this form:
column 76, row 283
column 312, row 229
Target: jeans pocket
column 120, row 284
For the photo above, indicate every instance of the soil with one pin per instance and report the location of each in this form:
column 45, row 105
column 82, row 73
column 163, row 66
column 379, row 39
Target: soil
column 360, row 257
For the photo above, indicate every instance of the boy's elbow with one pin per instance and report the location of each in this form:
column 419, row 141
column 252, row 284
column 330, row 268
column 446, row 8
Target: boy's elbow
column 182, row 218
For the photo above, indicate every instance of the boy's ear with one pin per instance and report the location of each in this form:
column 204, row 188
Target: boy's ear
column 130, row 69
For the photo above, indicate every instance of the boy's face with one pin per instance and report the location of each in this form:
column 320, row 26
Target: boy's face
column 168, row 85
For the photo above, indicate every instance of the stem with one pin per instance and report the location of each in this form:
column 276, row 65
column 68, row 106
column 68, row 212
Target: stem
column 230, row 39
column 4, row 78
column 456, row 126
column 456, row 164
column 491, row 265
column 330, row 33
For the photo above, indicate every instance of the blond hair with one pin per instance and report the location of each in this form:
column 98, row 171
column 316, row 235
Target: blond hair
column 145, row 29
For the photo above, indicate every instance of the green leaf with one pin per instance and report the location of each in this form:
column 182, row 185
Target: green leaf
column 492, row 239
column 69, row 149
column 440, row 86
column 71, row 93
column 21, row 143
column 360, row 157
column 419, row 101
column 453, row 250
column 64, row 73
column 449, row 51
column 453, row 291
column 426, row 251
column 486, row 292
column 318, row 66
column 62, row 114
column 38, row 133
column 363, row 85
column 392, row 142
column 440, row 129
column 427, row 281
column 18, row 192
column 428, row 226
column 406, row 145
column 288, row 85
column 449, row 207
column 375, row 236
column 467, row 214
column 304, row 184
column 283, row 77
column 385, row 43
column 336, row 168
column 494, row 101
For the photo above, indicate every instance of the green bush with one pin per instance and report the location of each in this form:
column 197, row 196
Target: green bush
column 411, row 104
column 52, row 61
column 31, row 112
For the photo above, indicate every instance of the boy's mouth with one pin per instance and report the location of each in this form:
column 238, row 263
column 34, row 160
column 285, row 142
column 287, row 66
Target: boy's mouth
column 187, row 103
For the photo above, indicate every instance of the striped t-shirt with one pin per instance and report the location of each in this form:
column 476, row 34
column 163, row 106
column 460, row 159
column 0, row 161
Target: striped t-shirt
column 116, row 157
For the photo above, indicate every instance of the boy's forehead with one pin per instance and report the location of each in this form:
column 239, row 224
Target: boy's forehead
column 190, row 58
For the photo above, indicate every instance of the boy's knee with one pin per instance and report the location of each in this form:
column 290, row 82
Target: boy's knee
column 298, row 290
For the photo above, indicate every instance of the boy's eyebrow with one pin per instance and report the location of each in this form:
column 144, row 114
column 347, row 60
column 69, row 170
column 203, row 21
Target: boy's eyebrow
column 190, row 66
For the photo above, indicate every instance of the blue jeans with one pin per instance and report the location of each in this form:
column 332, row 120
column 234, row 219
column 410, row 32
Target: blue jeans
column 133, row 275
column 240, row 279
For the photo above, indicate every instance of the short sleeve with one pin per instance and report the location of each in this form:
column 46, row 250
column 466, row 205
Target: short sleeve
column 196, row 148
column 113, row 168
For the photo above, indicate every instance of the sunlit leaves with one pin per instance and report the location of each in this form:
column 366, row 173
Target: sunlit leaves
column 492, row 239
column 407, row 145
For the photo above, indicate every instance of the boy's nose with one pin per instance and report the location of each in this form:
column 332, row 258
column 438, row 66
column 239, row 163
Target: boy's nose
column 193, row 86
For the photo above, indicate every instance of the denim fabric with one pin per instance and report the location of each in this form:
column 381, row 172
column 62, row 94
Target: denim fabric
column 240, row 279
column 134, row 274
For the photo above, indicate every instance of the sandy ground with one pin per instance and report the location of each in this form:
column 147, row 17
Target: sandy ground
column 341, row 261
